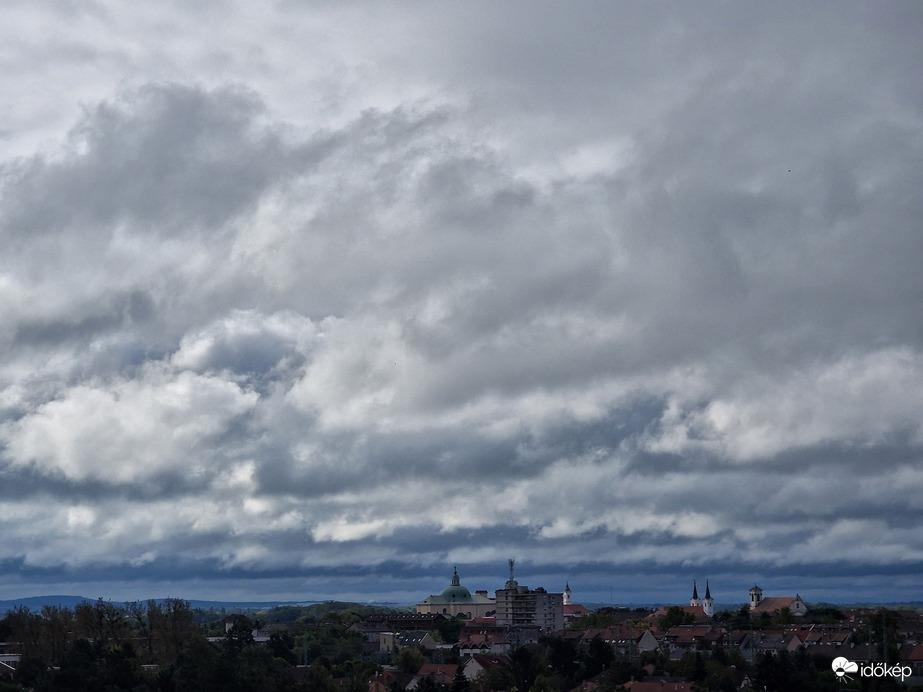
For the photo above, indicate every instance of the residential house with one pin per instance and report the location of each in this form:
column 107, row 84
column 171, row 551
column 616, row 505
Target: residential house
column 441, row 673
column 648, row 641
column 264, row 633
column 624, row 638
column 762, row 641
column 912, row 655
column 382, row 682
column 482, row 636
column 480, row 663
column 678, row 640
column 395, row 641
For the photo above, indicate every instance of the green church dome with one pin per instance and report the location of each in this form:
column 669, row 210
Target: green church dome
column 456, row 593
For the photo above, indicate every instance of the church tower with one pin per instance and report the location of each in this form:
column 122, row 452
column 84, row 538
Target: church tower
column 756, row 595
column 709, row 603
column 695, row 600
column 567, row 594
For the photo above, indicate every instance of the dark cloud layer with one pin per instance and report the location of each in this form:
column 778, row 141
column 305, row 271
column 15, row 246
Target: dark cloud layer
column 632, row 295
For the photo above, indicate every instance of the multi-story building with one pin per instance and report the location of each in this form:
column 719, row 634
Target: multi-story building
column 520, row 606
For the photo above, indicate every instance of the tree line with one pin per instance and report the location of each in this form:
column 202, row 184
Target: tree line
column 100, row 646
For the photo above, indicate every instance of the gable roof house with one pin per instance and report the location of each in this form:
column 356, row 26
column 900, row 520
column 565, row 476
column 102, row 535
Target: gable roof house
column 441, row 673
column 682, row 638
column 382, row 682
column 480, row 663
column 761, row 641
column 912, row 655
column 395, row 641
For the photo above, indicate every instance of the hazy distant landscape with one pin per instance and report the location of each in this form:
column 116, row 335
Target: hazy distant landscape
column 38, row 602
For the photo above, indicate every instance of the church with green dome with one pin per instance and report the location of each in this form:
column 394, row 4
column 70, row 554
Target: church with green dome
column 457, row 600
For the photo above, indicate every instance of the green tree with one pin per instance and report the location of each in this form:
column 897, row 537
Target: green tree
column 319, row 678
column 675, row 616
column 541, row 684
column 57, row 625
column 27, row 628
column 449, row 629
column 460, row 683
column 529, row 662
column 409, row 660
column 282, row 644
column 101, row 622
column 256, row 670
column 427, row 684
column 137, row 614
column 29, row 670
column 604, row 617
column 172, row 628
column 881, row 630
column 599, row 656
column 622, row 669
column 736, row 620
column 563, row 657
column 782, row 617
column 238, row 634
column 494, row 679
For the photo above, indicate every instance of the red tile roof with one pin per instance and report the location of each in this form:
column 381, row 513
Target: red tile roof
column 773, row 603
column 440, row 672
column 698, row 611
column 657, row 686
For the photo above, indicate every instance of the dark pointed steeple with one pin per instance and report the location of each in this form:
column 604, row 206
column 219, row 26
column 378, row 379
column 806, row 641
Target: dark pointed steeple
column 707, row 590
column 695, row 591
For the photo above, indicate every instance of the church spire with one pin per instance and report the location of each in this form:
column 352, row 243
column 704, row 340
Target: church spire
column 709, row 603
column 455, row 580
column 695, row 591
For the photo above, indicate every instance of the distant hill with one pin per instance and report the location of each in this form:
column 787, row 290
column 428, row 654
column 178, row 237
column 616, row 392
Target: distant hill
column 36, row 603
column 39, row 602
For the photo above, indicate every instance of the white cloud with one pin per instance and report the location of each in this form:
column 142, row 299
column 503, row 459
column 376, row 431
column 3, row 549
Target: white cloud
column 855, row 401
column 130, row 431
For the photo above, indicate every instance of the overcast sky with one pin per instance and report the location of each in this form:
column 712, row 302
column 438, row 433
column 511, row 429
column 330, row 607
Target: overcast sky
column 319, row 300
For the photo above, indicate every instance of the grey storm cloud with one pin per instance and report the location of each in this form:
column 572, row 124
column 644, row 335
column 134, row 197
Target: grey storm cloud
column 617, row 291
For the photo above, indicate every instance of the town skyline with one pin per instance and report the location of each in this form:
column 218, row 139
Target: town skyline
column 732, row 599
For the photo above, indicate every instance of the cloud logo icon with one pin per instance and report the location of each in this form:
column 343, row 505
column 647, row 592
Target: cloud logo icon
column 841, row 666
